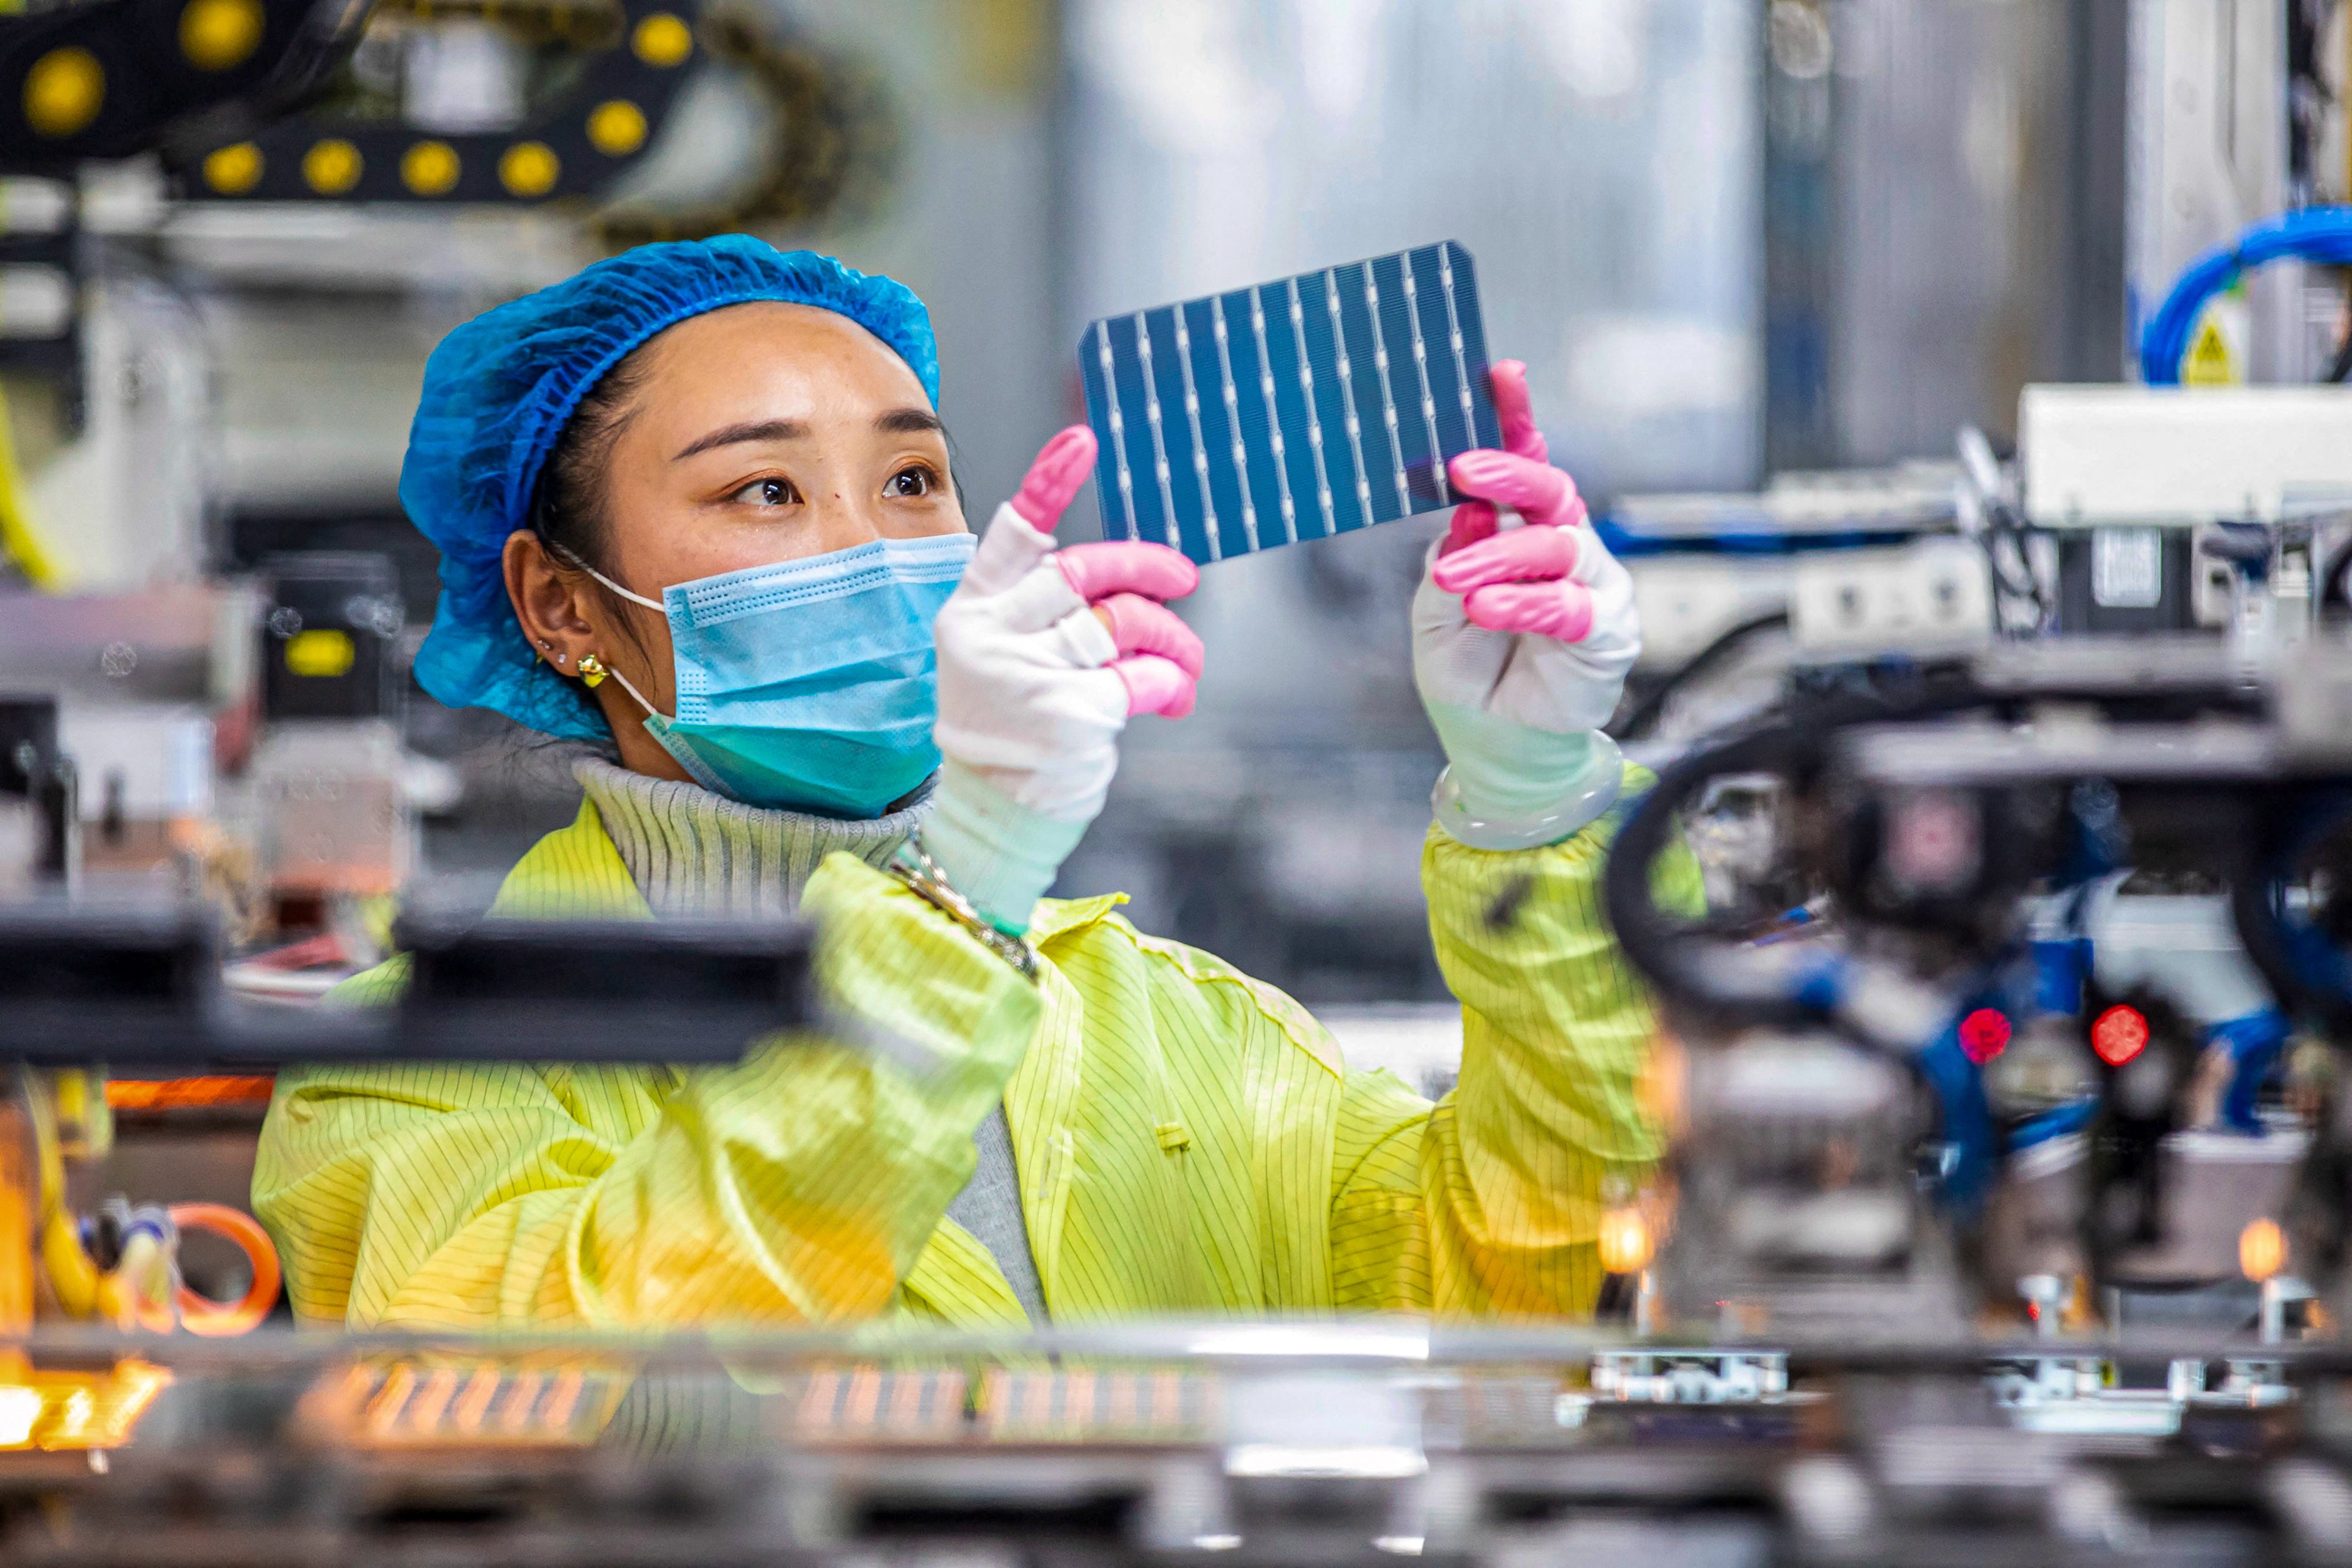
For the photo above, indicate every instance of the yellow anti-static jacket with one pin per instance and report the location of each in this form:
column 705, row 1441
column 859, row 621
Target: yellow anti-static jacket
column 1189, row 1140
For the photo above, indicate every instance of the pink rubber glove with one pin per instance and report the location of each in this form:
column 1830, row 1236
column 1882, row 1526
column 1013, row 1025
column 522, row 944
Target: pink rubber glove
column 1124, row 583
column 1043, row 653
column 1523, row 579
column 1521, row 641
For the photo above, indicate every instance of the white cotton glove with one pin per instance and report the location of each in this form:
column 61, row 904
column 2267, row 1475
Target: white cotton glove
column 1043, row 653
column 1521, row 641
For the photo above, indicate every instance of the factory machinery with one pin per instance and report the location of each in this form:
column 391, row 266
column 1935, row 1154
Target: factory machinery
column 1965, row 1251
column 1256, row 1442
column 1971, row 1244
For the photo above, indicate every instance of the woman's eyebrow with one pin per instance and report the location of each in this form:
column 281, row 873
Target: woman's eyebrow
column 735, row 435
column 909, row 421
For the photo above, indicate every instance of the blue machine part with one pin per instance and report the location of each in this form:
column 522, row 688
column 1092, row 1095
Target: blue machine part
column 2060, row 1122
column 2052, row 983
column 2255, row 1043
column 1966, row 1122
column 1740, row 537
column 2322, row 234
column 2062, row 966
column 2045, row 978
column 1301, row 408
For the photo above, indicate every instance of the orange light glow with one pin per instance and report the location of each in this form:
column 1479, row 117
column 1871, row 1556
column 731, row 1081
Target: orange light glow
column 2262, row 1250
column 521, row 1402
column 562, row 1399
column 412, row 1405
column 77, row 1410
column 475, row 1403
column 1625, row 1243
column 187, row 1093
column 425, row 1411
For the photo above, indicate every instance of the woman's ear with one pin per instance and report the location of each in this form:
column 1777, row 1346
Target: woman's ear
column 548, row 602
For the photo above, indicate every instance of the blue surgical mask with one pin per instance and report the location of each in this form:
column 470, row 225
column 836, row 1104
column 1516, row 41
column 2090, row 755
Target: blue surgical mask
column 810, row 684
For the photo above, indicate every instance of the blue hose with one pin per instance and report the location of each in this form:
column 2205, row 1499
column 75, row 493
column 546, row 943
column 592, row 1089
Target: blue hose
column 2255, row 1043
column 2315, row 234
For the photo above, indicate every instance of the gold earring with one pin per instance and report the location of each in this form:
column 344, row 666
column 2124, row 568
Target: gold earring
column 591, row 671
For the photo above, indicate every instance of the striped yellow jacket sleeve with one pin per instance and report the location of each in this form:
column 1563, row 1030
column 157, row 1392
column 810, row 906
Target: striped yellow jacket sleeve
column 1489, row 1203
column 799, row 1185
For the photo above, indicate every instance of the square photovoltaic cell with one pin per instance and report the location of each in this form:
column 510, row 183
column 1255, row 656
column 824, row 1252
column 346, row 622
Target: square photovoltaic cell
column 1307, row 406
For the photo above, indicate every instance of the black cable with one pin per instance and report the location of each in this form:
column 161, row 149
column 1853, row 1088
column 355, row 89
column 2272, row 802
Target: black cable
column 2331, row 587
column 1687, row 971
column 2031, row 593
column 2002, row 522
column 1684, row 964
column 1647, row 711
column 2257, row 894
column 1663, row 955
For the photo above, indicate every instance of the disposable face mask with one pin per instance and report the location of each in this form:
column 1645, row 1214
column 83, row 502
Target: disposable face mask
column 811, row 685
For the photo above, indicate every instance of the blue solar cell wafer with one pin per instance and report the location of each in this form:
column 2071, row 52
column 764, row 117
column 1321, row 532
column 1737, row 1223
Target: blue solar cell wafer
column 1309, row 406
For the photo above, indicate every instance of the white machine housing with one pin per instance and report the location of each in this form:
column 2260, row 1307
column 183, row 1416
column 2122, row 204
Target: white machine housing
column 2138, row 455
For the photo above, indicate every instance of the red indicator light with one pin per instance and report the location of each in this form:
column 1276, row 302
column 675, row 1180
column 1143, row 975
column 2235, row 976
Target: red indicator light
column 2119, row 1034
column 1984, row 1034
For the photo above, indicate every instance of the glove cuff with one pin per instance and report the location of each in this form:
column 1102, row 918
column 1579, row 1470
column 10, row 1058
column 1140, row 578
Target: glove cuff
column 998, row 853
column 1509, row 785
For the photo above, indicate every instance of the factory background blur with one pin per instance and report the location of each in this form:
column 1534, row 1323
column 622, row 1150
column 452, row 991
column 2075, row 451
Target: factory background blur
column 1728, row 237
column 1737, row 242
column 2002, row 687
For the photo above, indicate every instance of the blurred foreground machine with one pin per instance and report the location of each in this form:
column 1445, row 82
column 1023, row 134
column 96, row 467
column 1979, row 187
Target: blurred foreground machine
column 177, row 576
column 1917, row 1094
column 124, row 876
column 1893, row 1025
column 1973, row 1249
column 1253, row 1443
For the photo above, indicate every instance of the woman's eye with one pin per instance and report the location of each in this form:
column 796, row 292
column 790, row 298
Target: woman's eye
column 912, row 484
column 767, row 492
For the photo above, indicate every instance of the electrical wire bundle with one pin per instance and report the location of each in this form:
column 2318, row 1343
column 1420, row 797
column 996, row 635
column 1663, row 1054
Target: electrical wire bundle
column 1715, row 972
column 2321, row 235
column 133, row 1280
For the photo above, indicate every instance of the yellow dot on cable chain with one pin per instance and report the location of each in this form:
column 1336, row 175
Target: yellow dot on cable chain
column 616, row 127
column 661, row 40
column 218, row 34
column 331, row 167
column 63, row 91
column 233, row 170
column 429, row 168
column 529, row 169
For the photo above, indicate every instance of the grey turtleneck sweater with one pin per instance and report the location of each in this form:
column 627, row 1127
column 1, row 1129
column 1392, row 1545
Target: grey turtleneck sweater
column 693, row 853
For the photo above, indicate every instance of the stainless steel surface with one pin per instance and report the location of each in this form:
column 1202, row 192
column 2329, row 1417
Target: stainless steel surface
column 1966, row 158
column 182, row 641
column 1157, row 1443
column 1945, row 218
column 1961, row 755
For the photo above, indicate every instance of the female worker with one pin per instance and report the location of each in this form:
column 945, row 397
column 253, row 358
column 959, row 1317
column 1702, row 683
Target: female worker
column 695, row 504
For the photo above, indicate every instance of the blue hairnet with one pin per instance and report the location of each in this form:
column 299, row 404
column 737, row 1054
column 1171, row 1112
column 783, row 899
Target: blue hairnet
column 498, row 392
